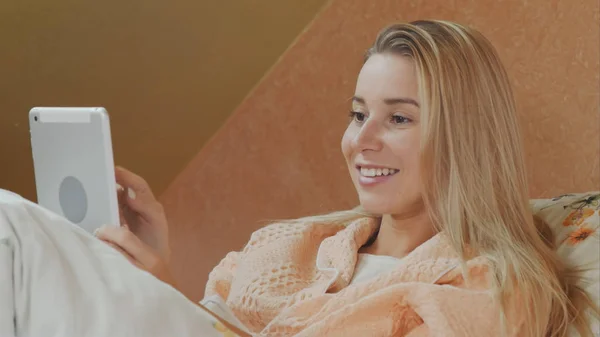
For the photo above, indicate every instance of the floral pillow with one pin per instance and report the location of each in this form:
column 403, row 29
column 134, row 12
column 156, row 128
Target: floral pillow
column 575, row 222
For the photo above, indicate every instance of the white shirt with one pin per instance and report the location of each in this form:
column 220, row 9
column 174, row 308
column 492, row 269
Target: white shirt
column 369, row 266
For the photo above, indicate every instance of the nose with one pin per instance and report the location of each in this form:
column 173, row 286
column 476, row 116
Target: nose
column 369, row 137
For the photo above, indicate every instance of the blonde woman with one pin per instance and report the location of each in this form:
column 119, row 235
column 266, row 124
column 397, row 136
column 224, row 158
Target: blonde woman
column 443, row 243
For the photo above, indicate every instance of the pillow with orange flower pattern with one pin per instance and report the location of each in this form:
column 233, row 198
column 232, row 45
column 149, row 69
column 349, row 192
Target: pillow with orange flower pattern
column 575, row 220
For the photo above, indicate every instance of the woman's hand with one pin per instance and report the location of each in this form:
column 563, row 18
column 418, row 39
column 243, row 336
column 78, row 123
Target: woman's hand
column 143, row 237
column 137, row 252
column 142, row 213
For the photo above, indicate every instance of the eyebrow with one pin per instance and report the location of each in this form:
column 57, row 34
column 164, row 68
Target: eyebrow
column 389, row 101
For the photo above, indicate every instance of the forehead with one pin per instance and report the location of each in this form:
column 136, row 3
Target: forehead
column 387, row 76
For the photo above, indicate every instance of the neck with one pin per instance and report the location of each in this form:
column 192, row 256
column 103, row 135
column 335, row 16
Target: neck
column 400, row 234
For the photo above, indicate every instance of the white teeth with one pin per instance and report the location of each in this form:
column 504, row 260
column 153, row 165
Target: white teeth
column 366, row 172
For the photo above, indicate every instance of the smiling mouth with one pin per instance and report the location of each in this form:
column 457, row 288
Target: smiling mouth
column 376, row 172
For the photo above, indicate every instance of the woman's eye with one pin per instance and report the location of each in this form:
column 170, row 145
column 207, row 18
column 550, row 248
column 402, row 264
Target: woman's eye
column 357, row 116
column 397, row 119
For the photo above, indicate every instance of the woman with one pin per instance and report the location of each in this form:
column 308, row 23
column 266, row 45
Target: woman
column 443, row 244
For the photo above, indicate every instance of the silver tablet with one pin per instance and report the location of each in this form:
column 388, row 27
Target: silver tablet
column 73, row 164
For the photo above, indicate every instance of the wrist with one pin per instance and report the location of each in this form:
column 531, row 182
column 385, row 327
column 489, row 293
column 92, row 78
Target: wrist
column 167, row 277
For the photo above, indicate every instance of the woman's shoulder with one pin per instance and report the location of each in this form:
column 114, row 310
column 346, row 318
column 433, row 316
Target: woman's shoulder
column 315, row 227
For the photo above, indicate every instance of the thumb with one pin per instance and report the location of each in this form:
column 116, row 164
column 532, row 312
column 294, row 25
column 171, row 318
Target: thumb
column 125, row 254
column 127, row 241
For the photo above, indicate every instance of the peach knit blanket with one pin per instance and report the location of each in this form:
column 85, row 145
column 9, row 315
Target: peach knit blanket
column 292, row 279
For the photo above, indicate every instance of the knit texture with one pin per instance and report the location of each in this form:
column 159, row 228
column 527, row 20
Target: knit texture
column 292, row 279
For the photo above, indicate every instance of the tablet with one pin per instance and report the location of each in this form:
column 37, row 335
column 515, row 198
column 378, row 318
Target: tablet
column 73, row 164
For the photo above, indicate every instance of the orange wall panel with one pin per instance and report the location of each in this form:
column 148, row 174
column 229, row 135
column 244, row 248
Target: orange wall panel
column 278, row 155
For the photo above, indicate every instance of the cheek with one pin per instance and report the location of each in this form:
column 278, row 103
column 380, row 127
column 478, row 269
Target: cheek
column 347, row 144
column 406, row 147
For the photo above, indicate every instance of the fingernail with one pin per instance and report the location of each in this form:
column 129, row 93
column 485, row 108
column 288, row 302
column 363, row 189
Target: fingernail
column 119, row 187
column 126, row 227
column 131, row 193
column 96, row 231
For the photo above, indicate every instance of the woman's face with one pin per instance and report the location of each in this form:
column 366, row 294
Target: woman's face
column 381, row 144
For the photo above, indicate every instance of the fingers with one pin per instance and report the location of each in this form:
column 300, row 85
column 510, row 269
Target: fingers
column 135, row 185
column 122, row 203
column 128, row 243
column 137, row 195
column 124, row 253
column 151, row 210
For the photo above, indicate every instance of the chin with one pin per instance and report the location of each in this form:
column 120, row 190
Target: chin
column 386, row 205
column 379, row 207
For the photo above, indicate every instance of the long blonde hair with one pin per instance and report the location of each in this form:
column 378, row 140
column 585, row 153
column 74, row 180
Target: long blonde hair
column 474, row 175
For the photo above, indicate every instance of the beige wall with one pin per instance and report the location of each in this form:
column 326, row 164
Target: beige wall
column 278, row 156
column 169, row 72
